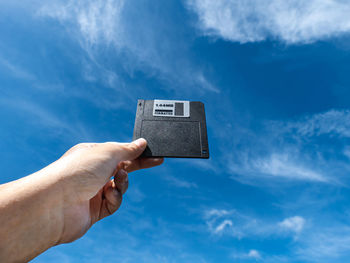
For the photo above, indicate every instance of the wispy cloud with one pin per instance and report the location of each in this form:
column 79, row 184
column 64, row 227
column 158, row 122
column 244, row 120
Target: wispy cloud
column 179, row 182
column 42, row 118
column 16, row 70
column 259, row 256
column 216, row 213
column 117, row 26
column 238, row 225
column 330, row 123
column 310, row 242
column 222, row 225
column 96, row 21
column 254, row 254
column 250, row 255
column 309, row 148
column 294, row 224
column 325, row 244
column 279, row 165
column 291, row 21
column 226, row 222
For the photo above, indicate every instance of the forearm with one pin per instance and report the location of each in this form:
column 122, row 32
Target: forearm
column 30, row 216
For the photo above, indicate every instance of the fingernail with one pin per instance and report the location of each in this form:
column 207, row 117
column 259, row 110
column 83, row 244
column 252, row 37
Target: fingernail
column 140, row 142
column 157, row 159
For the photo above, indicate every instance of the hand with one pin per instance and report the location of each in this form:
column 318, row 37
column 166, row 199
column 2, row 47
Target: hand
column 89, row 194
column 59, row 203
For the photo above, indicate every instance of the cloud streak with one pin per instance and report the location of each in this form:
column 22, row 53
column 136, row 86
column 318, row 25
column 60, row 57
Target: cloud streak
column 222, row 225
column 96, row 21
column 128, row 33
column 279, row 165
column 331, row 123
column 291, row 21
column 325, row 244
column 16, row 70
column 44, row 119
column 311, row 148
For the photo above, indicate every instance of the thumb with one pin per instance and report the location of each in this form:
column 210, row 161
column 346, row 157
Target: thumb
column 130, row 151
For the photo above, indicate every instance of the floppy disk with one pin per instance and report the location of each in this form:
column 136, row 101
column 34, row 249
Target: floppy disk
column 172, row 128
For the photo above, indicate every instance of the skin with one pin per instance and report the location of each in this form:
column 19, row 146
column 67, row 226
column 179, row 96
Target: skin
column 59, row 203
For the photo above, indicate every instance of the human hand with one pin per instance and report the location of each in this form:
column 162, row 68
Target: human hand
column 59, row 203
column 84, row 174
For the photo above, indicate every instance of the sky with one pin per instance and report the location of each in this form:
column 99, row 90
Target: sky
column 274, row 78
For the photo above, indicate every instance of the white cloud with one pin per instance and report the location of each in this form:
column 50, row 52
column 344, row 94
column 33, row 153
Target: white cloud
column 294, row 224
column 332, row 123
column 274, row 165
column 216, row 213
column 97, row 21
column 251, row 255
column 227, row 222
column 254, row 254
column 292, row 21
column 309, row 148
column 222, row 222
column 280, row 165
column 315, row 243
column 222, row 225
column 127, row 31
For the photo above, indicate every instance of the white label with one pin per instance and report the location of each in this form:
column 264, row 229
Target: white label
column 171, row 108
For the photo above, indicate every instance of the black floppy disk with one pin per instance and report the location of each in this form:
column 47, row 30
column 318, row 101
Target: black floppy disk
column 172, row 128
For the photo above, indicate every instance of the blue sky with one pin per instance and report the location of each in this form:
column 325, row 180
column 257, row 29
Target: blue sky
column 274, row 77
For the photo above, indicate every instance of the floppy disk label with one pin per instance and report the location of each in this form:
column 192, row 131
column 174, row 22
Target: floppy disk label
column 171, row 108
